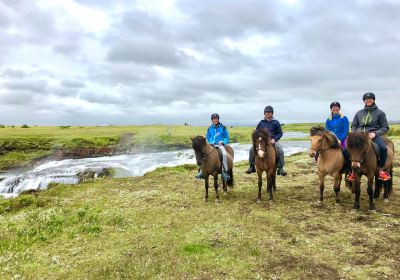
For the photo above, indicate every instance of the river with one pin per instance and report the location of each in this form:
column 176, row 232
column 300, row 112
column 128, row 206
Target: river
column 66, row 171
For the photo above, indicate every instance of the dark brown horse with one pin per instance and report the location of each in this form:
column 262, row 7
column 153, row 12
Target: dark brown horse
column 265, row 160
column 330, row 158
column 364, row 162
column 207, row 157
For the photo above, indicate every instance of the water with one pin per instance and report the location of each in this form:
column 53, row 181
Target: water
column 66, row 171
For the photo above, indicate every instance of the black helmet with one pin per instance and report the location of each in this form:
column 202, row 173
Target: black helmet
column 268, row 109
column 335, row 103
column 215, row 115
column 368, row 95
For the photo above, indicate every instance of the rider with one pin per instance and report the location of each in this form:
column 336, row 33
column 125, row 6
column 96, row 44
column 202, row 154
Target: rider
column 338, row 124
column 274, row 128
column 217, row 135
column 372, row 120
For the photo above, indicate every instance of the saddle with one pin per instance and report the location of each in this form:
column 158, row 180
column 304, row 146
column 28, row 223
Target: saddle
column 376, row 150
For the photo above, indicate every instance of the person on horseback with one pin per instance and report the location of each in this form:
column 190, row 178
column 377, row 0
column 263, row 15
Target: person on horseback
column 372, row 120
column 338, row 124
column 274, row 128
column 217, row 135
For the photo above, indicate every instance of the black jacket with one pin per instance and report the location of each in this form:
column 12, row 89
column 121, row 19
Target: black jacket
column 273, row 126
column 371, row 119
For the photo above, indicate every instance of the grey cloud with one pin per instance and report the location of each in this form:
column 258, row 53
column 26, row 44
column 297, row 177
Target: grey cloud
column 102, row 98
column 37, row 86
column 17, row 98
column 72, row 84
column 146, row 51
column 12, row 73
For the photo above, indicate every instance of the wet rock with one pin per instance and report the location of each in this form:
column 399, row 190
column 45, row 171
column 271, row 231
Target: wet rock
column 33, row 192
column 91, row 175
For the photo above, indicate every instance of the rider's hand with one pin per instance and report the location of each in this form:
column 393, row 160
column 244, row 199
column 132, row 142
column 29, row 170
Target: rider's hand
column 220, row 143
column 372, row 135
column 340, row 142
column 272, row 141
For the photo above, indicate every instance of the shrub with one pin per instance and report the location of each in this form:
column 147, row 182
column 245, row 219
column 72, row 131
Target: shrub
column 2, row 126
column 25, row 126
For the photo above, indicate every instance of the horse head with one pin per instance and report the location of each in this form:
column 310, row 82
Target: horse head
column 261, row 141
column 357, row 144
column 199, row 144
column 322, row 140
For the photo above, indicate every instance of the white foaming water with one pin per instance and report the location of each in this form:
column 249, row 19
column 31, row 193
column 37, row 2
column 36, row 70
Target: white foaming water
column 66, row 171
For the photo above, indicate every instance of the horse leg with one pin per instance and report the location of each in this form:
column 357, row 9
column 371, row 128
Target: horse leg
column 270, row 184
column 371, row 193
column 216, row 188
column 357, row 192
column 274, row 181
column 259, row 174
column 378, row 187
column 224, row 186
column 336, row 187
column 206, row 186
column 321, row 186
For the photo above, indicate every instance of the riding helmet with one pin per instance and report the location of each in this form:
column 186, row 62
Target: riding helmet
column 215, row 115
column 268, row 109
column 369, row 95
column 335, row 103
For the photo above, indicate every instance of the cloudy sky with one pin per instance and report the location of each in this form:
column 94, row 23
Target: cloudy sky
column 100, row 62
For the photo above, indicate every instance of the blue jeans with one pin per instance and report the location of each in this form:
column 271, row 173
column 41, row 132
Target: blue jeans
column 383, row 150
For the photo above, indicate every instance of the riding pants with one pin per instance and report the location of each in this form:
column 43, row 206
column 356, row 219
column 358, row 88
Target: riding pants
column 224, row 157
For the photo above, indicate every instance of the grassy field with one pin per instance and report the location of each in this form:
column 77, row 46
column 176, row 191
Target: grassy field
column 158, row 227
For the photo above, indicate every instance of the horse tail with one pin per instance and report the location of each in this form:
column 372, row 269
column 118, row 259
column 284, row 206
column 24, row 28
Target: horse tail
column 230, row 181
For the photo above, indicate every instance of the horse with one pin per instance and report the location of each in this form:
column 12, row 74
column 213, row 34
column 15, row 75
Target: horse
column 207, row 157
column 364, row 162
column 265, row 160
column 331, row 161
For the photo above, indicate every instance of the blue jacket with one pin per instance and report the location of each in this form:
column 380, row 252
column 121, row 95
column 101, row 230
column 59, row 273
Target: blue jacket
column 273, row 126
column 217, row 133
column 339, row 125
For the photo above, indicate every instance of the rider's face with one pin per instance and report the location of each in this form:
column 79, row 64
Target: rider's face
column 368, row 102
column 215, row 121
column 335, row 109
column 268, row 115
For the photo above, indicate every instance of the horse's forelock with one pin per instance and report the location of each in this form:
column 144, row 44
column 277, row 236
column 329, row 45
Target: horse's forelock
column 357, row 140
column 263, row 133
column 198, row 142
column 316, row 130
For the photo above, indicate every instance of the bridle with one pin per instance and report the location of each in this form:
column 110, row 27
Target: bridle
column 205, row 155
column 363, row 156
column 320, row 151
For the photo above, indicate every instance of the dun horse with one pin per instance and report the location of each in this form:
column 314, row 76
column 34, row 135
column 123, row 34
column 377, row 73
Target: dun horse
column 207, row 157
column 364, row 162
column 265, row 160
column 330, row 158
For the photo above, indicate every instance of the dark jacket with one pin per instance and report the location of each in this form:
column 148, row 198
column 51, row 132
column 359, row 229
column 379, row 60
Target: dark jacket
column 217, row 133
column 339, row 125
column 371, row 119
column 273, row 126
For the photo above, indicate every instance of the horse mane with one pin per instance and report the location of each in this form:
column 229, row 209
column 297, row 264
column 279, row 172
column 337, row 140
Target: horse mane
column 198, row 143
column 329, row 136
column 357, row 140
column 263, row 133
column 317, row 130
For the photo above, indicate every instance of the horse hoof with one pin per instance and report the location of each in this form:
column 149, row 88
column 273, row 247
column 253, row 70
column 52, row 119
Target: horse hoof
column 270, row 201
column 386, row 200
column 206, row 200
column 319, row 202
column 258, row 201
column 217, row 201
column 337, row 203
column 354, row 210
column 372, row 210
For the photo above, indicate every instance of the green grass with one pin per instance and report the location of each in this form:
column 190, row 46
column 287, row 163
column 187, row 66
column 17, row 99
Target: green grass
column 158, row 227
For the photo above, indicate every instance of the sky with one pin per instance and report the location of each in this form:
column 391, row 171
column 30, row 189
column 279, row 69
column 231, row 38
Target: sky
column 100, row 62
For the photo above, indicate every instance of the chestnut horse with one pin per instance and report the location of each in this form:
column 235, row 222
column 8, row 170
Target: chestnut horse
column 265, row 160
column 325, row 145
column 207, row 157
column 364, row 162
